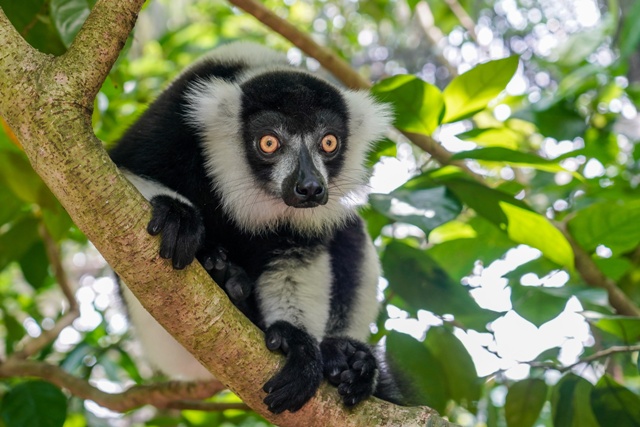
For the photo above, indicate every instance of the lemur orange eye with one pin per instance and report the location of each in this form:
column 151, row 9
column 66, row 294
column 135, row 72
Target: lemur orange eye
column 269, row 144
column 329, row 143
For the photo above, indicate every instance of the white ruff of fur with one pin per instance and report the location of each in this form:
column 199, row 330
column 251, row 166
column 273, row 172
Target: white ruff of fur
column 215, row 107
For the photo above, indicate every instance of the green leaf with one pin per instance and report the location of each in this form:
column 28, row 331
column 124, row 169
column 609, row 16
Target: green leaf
column 530, row 228
column 423, row 284
column 613, row 268
column 34, row 404
column 580, row 45
column 15, row 331
column 17, row 239
column 18, row 175
column 384, row 148
column 375, row 221
column 570, row 403
column 463, row 384
column 35, row 265
column 30, row 17
column 510, row 157
column 535, row 304
column 472, row 91
column 417, row 105
column 458, row 256
column 625, row 327
column 524, row 402
column 560, row 120
column 415, row 358
column 426, row 208
column 613, row 403
column 10, row 205
column 514, row 217
column 69, row 16
column 614, row 225
column 493, row 137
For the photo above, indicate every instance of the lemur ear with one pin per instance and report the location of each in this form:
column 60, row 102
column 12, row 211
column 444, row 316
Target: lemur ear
column 214, row 106
column 368, row 118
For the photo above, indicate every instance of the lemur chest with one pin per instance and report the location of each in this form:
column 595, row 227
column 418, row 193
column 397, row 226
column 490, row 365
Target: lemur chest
column 296, row 287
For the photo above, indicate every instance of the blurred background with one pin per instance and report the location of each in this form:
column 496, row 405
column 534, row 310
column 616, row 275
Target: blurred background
column 482, row 302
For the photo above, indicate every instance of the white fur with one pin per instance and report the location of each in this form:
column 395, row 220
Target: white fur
column 149, row 188
column 365, row 307
column 298, row 292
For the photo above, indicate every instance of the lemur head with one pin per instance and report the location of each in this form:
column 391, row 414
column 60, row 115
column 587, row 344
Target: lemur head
column 284, row 147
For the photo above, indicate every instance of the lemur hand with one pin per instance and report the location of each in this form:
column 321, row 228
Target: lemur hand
column 233, row 279
column 181, row 228
column 351, row 366
column 301, row 375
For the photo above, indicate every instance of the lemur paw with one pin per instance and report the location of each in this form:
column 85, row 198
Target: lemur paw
column 233, row 279
column 351, row 366
column 181, row 227
column 301, row 375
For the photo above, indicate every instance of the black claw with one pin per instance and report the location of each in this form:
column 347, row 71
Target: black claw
column 208, row 263
column 181, row 228
column 301, row 375
column 351, row 366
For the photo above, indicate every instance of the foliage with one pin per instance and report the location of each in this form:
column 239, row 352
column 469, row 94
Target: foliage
column 558, row 153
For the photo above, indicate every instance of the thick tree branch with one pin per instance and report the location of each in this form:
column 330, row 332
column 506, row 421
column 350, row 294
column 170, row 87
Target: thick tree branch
column 347, row 75
column 161, row 395
column 49, row 113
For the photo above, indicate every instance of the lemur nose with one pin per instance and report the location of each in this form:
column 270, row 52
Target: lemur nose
column 309, row 190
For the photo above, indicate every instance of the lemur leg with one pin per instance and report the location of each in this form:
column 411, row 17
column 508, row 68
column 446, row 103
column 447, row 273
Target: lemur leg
column 293, row 295
column 351, row 366
column 301, row 375
column 349, row 363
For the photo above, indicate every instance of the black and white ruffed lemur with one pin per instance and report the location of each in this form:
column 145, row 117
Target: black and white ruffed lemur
column 251, row 166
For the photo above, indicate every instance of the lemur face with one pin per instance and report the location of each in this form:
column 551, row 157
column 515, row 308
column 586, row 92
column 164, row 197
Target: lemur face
column 277, row 141
column 296, row 136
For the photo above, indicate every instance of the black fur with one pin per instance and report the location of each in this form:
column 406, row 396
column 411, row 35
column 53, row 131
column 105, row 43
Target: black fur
column 301, row 375
column 164, row 146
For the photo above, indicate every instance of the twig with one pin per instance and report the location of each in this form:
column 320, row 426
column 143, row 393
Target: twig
column 160, row 395
column 593, row 276
column 55, row 259
column 433, row 33
column 31, row 346
column 595, row 356
column 345, row 73
column 463, row 17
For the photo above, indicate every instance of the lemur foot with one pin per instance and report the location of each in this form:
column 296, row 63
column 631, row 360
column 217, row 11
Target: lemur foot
column 351, row 366
column 301, row 375
column 233, row 279
column 181, row 227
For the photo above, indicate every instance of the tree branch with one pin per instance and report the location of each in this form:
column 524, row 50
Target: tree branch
column 595, row 356
column 433, row 33
column 32, row 346
column 347, row 75
column 47, row 103
column 463, row 17
column 161, row 395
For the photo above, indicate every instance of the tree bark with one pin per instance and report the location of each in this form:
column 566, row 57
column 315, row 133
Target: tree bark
column 47, row 101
